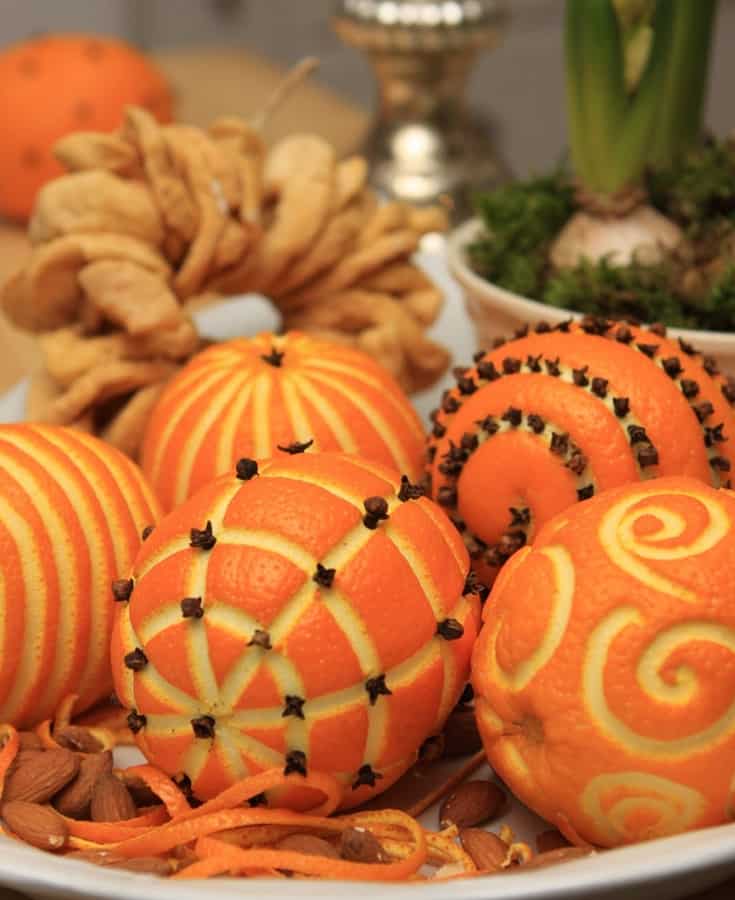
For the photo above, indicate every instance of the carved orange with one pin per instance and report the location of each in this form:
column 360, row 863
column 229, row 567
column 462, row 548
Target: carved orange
column 71, row 514
column 248, row 397
column 555, row 417
column 605, row 669
column 316, row 619
column 53, row 85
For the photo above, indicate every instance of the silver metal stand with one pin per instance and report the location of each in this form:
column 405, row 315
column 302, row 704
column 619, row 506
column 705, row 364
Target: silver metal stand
column 426, row 144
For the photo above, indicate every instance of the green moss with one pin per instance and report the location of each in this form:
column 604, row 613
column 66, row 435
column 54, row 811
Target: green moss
column 698, row 192
column 718, row 309
column 638, row 292
column 522, row 219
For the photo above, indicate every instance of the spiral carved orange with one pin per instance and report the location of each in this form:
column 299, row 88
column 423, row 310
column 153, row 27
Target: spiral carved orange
column 554, row 417
column 248, row 397
column 71, row 514
column 605, row 669
column 319, row 622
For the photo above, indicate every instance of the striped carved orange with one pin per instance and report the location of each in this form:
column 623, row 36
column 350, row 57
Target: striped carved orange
column 310, row 612
column 71, row 513
column 248, row 397
column 554, row 417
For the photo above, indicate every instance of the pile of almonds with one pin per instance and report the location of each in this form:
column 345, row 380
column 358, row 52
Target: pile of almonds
column 45, row 788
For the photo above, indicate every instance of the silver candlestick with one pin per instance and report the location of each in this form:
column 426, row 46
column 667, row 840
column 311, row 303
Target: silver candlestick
column 425, row 143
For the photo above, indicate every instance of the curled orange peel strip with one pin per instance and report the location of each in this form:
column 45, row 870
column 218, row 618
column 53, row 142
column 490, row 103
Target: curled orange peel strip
column 186, row 824
column 250, row 787
column 166, row 837
column 45, row 729
column 8, row 752
column 172, row 797
column 110, row 832
column 65, row 710
column 236, row 860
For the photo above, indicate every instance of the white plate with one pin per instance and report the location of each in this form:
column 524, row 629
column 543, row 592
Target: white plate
column 665, row 869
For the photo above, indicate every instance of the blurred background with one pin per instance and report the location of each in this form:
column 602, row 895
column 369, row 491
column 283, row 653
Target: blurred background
column 517, row 88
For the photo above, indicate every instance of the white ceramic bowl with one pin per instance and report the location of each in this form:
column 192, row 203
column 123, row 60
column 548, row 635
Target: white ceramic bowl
column 498, row 313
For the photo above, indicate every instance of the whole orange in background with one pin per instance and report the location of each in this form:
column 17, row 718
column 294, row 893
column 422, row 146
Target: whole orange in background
column 71, row 513
column 556, row 416
column 53, row 85
column 605, row 670
column 249, row 396
column 307, row 612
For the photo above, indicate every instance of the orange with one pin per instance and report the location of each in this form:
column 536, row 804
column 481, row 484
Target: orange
column 250, row 396
column 315, row 619
column 71, row 514
column 53, row 85
column 554, row 417
column 605, row 670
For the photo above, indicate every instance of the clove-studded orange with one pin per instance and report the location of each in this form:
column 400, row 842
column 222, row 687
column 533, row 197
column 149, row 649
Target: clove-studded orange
column 71, row 514
column 604, row 674
column 556, row 416
column 247, row 397
column 52, row 85
column 311, row 611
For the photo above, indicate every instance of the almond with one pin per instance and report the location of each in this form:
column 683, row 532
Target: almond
column 37, row 825
column 23, row 756
column 75, row 799
column 473, row 802
column 555, row 857
column 487, row 850
column 29, row 740
column 140, row 792
column 75, row 737
column 432, row 750
column 149, row 865
column 550, row 840
column 309, row 844
column 111, row 801
column 40, row 775
column 360, row 845
column 461, row 737
column 98, row 857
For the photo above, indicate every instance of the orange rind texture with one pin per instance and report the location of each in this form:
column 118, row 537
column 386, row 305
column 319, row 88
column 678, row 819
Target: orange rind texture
column 322, row 636
column 605, row 670
column 248, row 397
column 554, row 417
column 53, row 85
column 71, row 514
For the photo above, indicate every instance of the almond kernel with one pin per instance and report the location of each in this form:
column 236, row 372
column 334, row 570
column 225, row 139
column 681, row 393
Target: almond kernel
column 40, row 775
column 555, row 857
column 75, row 737
column 309, row 844
column 550, row 840
column 460, row 734
column 29, row 740
column 37, row 825
column 111, row 801
column 75, row 799
column 472, row 803
column 148, row 865
column 360, row 845
column 487, row 850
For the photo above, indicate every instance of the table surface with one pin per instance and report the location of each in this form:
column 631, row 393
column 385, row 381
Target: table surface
column 209, row 83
